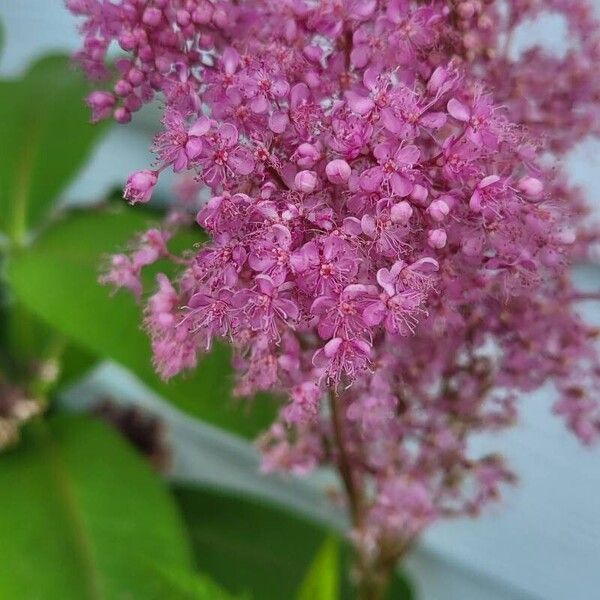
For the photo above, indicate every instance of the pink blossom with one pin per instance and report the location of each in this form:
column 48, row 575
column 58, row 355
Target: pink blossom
column 479, row 118
column 486, row 193
column 326, row 264
column 270, row 300
column 341, row 357
column 405, row 289
column 343, row 314
column 223, row 157
column 271, row 252
column 394, row 170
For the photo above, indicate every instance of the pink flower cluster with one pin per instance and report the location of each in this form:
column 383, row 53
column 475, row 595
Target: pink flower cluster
column 386, row 246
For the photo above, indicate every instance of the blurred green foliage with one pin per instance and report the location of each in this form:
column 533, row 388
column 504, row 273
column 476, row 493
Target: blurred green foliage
column 45, row 125
column 322, row 581
column 72, row 522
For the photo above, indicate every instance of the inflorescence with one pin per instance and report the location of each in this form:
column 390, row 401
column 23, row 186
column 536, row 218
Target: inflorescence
column 389, row 230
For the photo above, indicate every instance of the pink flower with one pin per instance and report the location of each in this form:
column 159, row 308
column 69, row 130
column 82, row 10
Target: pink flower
column 395, row 169
column 349, row 134
column 387, row 227
column 486, row 193
column 223, row 213
column 479, row 119
column 212, row 313
column 223, row 158
column 122, row 274
column 179, row 145
column 342, row 315
column 342, row 357
column 405, row 288
column 270, row 300
column 271, row 252
column 324, row 265
column 407, row 114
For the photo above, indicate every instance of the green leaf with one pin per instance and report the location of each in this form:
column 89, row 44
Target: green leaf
column 75, row 362
column 322, row 582
column 252, row 546
column 248, row 546
column 45, row 125
column 401, row 587
column 56, row 278
column 184, row 585
column 82, row 517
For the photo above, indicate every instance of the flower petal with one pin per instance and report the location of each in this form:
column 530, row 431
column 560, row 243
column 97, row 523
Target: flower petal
column 371, row 179
column 458, row 110
column 241, row 161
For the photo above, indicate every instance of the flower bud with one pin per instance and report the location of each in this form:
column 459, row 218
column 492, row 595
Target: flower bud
column 127, row 41
column 306, row 181
column 466, row 9
column 152, row 16
column 220, row 17
column 436, row 238
column 531, row 187
column 136, row 77
column 438, row 210
column 306, row 155
column 313, row 52
column 183, row 18
column 203, row 13
column 338, row 171
column 101, row 104
column 566, row 237
column 122, row 88
column 419, row 194
column 401, row 212
column 122, row 115
column 140, row 185
column 132, row 103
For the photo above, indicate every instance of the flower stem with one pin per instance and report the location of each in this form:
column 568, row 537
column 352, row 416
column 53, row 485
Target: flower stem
column 354, row 492
column 371, row 576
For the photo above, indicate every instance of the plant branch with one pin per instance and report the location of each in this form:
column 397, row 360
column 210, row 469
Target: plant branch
column 372, row 573
column 352, row 488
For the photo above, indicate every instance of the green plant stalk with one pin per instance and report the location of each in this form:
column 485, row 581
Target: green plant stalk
column 18, row 226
